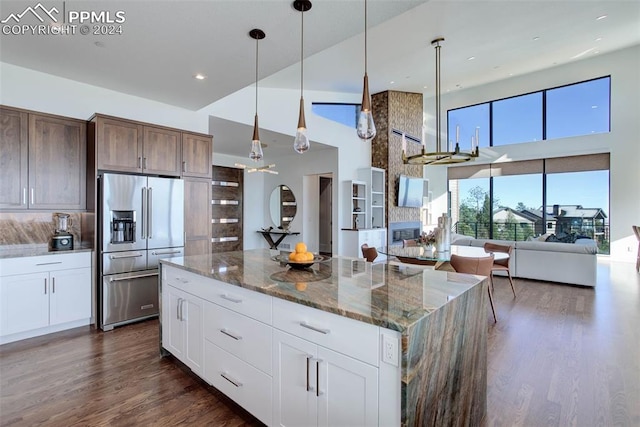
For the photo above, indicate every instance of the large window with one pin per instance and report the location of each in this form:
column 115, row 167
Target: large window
column 572, row 110
column 347, row 114
column 565, row 196
column 578, row 109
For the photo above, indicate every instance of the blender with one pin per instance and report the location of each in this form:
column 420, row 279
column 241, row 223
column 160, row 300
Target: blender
column 62, row 240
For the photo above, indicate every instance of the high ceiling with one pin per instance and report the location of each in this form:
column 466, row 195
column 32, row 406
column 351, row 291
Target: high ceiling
column 165, row 43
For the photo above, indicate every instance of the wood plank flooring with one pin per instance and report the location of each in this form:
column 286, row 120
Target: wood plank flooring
column 559, row 356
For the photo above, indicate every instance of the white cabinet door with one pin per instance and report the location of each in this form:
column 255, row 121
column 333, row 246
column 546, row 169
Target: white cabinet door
column 182, row 326
column 348, row 391
column 70, row 295
column 193, row 316
column 295, row 403
column 173, row 333
column 24, row 302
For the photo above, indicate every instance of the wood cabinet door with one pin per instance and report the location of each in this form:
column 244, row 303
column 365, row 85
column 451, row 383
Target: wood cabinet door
column 174, row 336
column 196, row 155
column 24, row 302
column 197, row 215
column 194, row 346
column 161, row 151
column 70, row 295
column 13, row 159
column 119, row 145
column 57, row 163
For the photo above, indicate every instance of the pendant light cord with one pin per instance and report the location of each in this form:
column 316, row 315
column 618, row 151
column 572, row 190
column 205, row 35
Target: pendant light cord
column 256, row 76
column 438, row 122
column 365, row 37
column 302, row 54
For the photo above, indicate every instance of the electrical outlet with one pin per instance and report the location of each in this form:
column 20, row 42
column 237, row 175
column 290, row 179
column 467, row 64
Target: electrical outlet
column 390, row 350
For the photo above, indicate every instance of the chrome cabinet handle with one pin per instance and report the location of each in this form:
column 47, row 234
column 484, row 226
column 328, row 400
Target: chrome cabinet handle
column 144, row 163
column 231, row 380
column 32, row 196
column 178, row 309
column 53, row 285
column 313, row 328
column 50, row 263
column 166, row 253
column 140, row 276
column 24, row 195
column 229, row 334
column 308, row 360
column 318, row 377
column 228, row 298
column 45, row 286
column 140, row 162
column 184, row 166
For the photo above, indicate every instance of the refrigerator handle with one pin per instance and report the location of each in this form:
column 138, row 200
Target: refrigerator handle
column 149, row 212
column 144, row 213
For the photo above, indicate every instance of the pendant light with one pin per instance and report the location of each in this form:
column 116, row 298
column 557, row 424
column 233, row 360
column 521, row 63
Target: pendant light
column 301, row 141
column 440, row 156
column 366, row 127
column 256, row 147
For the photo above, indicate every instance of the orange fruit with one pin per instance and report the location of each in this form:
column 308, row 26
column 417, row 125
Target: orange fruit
column 300, row 257
column 301, row 286
column 301, row 247
column 292, row 256
column 309, row 256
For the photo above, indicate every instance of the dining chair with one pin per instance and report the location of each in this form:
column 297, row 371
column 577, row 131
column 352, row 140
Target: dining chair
column 473, row 265
column 501, row 264
column 636, row 230
column 370, row 254
column 410, row 242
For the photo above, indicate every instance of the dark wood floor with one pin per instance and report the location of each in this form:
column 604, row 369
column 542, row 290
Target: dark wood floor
column 559, row 355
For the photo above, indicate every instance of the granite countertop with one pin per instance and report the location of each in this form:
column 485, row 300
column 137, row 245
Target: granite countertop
column 21, row 251
column 386, row 295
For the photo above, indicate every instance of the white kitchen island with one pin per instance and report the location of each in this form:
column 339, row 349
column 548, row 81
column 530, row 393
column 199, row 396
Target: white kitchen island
column 343, row 343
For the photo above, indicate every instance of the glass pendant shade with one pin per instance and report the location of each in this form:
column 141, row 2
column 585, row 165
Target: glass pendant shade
column 256, row 146
column 301, row 141
column 366, row 127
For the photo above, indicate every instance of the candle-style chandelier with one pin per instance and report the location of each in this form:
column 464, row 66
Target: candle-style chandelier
column 441, row 157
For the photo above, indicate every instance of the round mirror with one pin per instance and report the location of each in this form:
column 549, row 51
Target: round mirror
column 282, row 206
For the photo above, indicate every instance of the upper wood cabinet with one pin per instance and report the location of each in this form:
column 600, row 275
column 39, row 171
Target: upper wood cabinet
column 14, row 144
column 196, row 155
column 197, row 208
column 126, row 146
column 42, row 161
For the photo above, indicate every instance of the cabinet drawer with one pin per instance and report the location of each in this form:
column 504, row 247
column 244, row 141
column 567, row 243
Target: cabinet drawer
column 243, row 301
column 240, row 335
column 240, row 381
column 38, row 264
column 347, row 336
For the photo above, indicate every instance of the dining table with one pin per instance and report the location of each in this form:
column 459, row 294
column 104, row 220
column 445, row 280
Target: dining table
column 427, row 256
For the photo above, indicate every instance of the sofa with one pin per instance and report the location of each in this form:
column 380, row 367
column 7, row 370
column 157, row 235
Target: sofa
column 572, row 263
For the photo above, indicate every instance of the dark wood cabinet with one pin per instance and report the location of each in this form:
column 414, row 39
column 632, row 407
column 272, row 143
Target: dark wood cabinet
column 196, row 155
column 226, row 209
column 14, row 151
column 42, row 161
column 128, row 146
column 119, row 145
column 197, row 215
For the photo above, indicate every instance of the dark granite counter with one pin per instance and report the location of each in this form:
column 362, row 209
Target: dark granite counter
column 382, row 294
column 21, row 251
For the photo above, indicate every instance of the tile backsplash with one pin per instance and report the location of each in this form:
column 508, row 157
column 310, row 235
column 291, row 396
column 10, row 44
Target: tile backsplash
column 22, row 228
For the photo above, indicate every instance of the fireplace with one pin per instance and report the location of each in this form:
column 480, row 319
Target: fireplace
column 399, row 231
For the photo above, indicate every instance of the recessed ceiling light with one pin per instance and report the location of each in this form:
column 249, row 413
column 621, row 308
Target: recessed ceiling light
column 471, row 58
column 425, row 87
column 598, row 39
column 601, row 17
column 199, row 77
column 536, row 38
column 391, row 82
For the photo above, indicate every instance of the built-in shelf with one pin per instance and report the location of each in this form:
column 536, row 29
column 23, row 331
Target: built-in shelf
column 224, row 239
column 226, row 209
column 224, row 202
column 224, row 220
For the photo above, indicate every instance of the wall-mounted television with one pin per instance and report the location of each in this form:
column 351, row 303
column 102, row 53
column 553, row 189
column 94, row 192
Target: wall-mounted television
column 410, row 191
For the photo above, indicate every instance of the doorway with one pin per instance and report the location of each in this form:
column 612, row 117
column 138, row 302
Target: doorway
column 325, row 220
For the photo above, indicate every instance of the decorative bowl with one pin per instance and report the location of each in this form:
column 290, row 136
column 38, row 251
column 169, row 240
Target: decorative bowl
column 299, row 265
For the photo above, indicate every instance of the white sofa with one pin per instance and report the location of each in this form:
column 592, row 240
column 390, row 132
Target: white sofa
column 573, row 263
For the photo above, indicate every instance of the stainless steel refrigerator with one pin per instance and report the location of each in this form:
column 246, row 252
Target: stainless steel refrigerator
column 141, row 220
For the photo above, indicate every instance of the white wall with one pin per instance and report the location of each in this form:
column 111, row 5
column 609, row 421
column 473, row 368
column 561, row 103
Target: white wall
column 623, row 142
column 33, row 90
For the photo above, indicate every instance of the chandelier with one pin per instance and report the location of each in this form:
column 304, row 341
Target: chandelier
column 265, row 168
column 440, row 157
